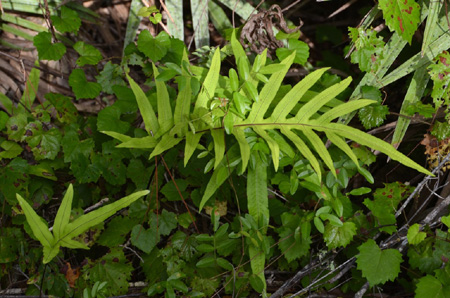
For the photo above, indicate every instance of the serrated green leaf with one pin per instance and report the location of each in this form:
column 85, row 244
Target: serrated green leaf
column 377, row 265
column 144, row 239
column 69, row 21
column 89, row 54
column 154, row 48
column 46, row 49
column 429, row 286
column 414, row 235
column 335, row 236
column 81, row 87
column 402, row 17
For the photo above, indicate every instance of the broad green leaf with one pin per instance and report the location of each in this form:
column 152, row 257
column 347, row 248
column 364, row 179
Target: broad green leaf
column 148, row 115
column 31, row 88
column 373, row 115
column 377, row 265
column 429, row 286
column 10, row 149
column 153, row 47
column 81, row 87
column 335, row 236
column 414, row 235
column 69, row 21
column 165, row 117
column 402, row 17
column 298, row 47
column 63, row 216
column 46, row 49
column 37, row 223
column 88, row 54
column 144, row 239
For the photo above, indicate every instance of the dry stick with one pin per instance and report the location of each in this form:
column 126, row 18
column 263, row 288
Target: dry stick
column 287, row 285
column 290, row 5
column 179, row 193
column 198, row 25
column 421, row 185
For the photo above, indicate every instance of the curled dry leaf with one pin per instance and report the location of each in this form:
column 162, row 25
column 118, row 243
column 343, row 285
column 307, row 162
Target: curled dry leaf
column 258, row 33
column 436, row 150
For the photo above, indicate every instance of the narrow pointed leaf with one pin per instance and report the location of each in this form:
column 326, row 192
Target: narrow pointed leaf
column 320, row 148
column 210, row 83
column 295, row 94
column 165, row 117
column 311, row 107
column 219, row 145
column 304, row 150
column 413, row 95
column 192, row 140
column 341, row 144
column 432, row 23
column 257, row 196
column 238, row 132
column 182, row 107
column 238, row 50
column 63, row 216
column 167, row 142
column 269, row 91
column 371, row 142
column 147, row 112
column 95, row 217
column 37, row 223
column 141, row 143
column 344, row 109
column 118, row 136
column 274, row 148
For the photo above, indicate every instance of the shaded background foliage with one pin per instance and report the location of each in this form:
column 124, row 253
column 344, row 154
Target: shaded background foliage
column 52, row 138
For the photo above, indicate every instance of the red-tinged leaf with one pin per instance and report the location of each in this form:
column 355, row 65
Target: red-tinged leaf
column 401, row 16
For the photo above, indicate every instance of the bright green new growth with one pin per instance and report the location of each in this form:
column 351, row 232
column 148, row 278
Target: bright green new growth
column 63, row 230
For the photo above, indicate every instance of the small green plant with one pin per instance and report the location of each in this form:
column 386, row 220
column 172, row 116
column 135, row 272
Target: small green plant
column 63, row 230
